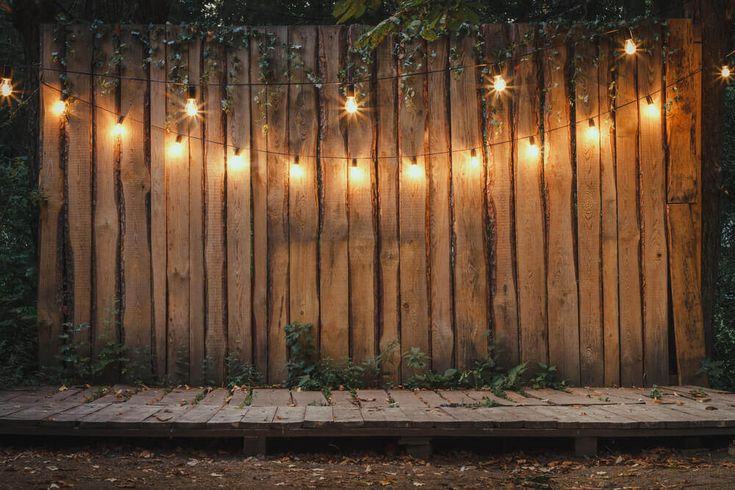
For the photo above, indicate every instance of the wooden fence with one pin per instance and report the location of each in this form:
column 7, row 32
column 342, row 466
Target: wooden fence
column 425, row 220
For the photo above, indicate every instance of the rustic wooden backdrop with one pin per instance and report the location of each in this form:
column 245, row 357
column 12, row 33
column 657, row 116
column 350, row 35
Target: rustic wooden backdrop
column 586, row 257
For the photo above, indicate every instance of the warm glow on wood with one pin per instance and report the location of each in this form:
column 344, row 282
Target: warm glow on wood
column 58, row 108
column 630, row 47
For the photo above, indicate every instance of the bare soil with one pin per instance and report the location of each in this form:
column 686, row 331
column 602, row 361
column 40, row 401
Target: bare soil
column 93, row 465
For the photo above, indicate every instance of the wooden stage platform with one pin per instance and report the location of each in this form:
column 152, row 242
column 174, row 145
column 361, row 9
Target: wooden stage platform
column 413, row 417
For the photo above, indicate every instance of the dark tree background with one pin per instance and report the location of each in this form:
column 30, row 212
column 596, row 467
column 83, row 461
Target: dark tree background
column 20, row 19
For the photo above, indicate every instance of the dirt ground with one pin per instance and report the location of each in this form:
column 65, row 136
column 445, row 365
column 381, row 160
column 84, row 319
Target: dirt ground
column 96, row 465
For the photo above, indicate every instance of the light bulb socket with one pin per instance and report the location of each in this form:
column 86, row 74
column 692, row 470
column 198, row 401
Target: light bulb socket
column 179, row 138
column 591, row 123
column 237, row 151
column 350, row 92
column 354, row 162
column 7, row 72
column 473, row 153
column 192, row 91
column 649, row 100
column 532, row 140
column 120, row 119
column 414, row 161
column 296, row 160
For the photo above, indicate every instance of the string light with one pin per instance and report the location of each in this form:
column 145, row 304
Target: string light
column 297, row 171
column 191, row 107
column 177, row 147
column 475, row 160
column 6, row 84
column 414, row 170
column 58, row 108
column 355, row 171
column 533, row 149
column 499, row 83
column 651, row 109
column 725, row 72
column 592, row 132
column 630, row 47
column 350, row 102
column 236, row 161
column 118, row 130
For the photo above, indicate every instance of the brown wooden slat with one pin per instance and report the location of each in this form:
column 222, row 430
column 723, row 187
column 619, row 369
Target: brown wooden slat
column 51, row 185
column 587, row 107
column 412, row 138
column 470, row 272
column 333, row 233
column 653, row 215
column 561, row 274
column 500, row 197
column 271, row 398
column 629, row 232
column 388, row 182
column 309, row 398
column 135, row 180
column 105, row 225
column 303, row 192
column 79, row 182
column 239, row 244
column 204, row 410
column 317, row 416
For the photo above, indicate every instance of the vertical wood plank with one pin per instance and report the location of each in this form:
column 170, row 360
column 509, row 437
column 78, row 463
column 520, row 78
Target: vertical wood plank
column 530, row 212
column 106, row 225
column 500, row 198
column 387, row 131
column 79, row 181
column 51, row 184
column 412, row 137
column 653, row 214
column 589, row 215
column 157, row 155
column 333, row 261
column 629, row 233
column 135, row 179
column 439, row 227
column 214, row 246
column 197, row 280
column 470, row 273
column 609, row 208
column 259, row 176
column 277, row 207
column 177, row 209
column 303, row 192
column 239, row 242
column 361, row 211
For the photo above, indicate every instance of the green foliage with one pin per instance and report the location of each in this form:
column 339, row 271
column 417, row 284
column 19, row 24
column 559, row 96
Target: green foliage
column 240, row 373
column 547, row 377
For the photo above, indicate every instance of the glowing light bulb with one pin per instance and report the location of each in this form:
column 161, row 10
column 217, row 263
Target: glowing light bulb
column 725, row 72
column 499, row 83
column 593, row 133
column 350, row 102
column 297, row 171
column 414, row 169
column 177, row 147
column 651, row 109
column 118, row 129
column 355, row 171
column 6, row 87
column 59, row 108
column 191, row 107
column 630, row 47
column 475, row 160
column 532, row 150
column 236, row 161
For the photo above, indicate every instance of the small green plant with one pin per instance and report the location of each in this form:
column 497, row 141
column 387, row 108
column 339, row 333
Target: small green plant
column 547, row 377
column 655, row 393
column 240, row 373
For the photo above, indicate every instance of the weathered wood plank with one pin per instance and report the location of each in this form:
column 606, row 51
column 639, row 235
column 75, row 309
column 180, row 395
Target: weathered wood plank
column 653, row 215
column 333, row 236
column 303, row 192
column 412, row 138
column 388, row 183
column 307, row 398
column 561, row 273
column 79, row 183
column 500, row 198
column 158, row 140
column 529, row 207
column 470, row 273
column 51, row 185
column 588, row 107
column 215, row 236
column 106, row 227
column 317, row 416
column 239, row 244
column 271, row 398
column 204, row 410
column 135, row 179
column 361, row 211
column 629, row 231
column 438, row 165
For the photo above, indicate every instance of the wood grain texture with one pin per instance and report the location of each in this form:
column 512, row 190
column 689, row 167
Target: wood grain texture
column 499, row 129
column 106, row 220
column 135, row 180
column 561, row 273
column 388, row 209
column 589, row 213
column 239, row 240
column 412, row 138
column 629, row 231
column 79, row 183
column 470, row 273
column 51, row 185
column 529, row 206
column 333, row 232
column 439, row 226
column 653, row 215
